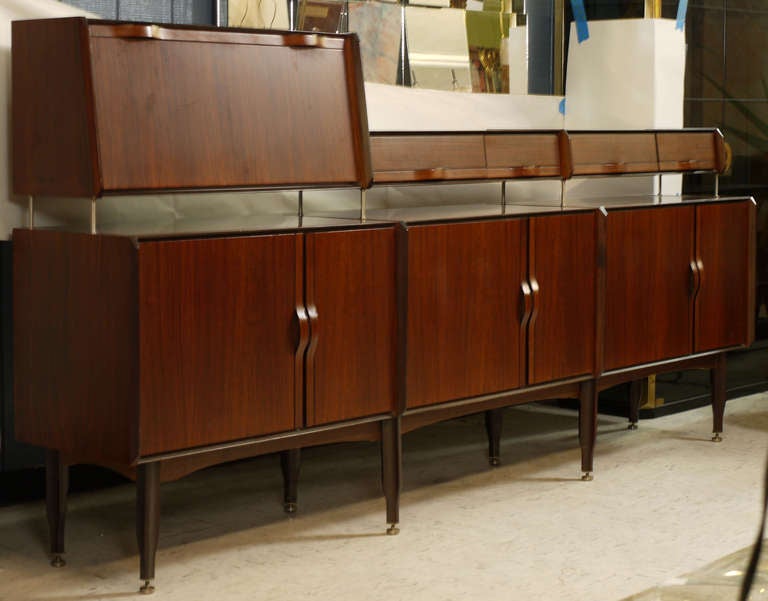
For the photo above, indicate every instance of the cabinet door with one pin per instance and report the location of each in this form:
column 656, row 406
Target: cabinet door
column 562, row 272
column 725, row 249
column 352, row 306
column 219, row 333
column 464, row 335
column 649, row 308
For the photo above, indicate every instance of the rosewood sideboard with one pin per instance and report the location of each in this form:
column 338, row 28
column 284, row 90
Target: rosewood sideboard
column 157, row 351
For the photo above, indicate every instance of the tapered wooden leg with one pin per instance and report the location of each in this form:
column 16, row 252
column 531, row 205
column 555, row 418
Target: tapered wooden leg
column 587, row 426
column 391, row 468
column 494, row 420
column 717, row 381
column 290, row 462
column 635, row 398
column 56, row 487
column 147, row 521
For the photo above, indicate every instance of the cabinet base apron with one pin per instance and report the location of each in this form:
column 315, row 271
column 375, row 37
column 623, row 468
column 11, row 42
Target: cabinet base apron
column 715, row 362
column 150, row 472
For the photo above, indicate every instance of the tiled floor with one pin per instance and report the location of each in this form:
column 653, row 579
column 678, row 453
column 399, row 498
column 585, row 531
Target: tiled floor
column 665, row 502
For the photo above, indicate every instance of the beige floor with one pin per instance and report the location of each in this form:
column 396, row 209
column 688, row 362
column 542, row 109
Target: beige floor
column 665, row 501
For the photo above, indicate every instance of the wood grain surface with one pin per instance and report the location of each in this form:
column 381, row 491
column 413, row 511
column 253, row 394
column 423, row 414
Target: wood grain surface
column 725, row 249
column 218, row 340
column 563, row 269
column 649, row 304
column 352, row 303
column 464, row 335
column 75, row 346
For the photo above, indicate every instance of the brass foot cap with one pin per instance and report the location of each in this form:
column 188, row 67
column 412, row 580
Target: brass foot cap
column 494, row 461
column 587, row 477
column 290, row 507
column 716, row 437
column 632, row 426
column 147, row 588
column 57, row 561
column 393, row 530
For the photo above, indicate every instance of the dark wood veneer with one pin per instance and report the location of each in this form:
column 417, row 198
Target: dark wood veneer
column 351, row 291
column 597, row 153
column 563, row 266
column 724, row 312
column 522, row 155
column 403, row 157
column 217, row 349
column 75, row 344
column 52, row 125
column 465, row 335
column 154, row 106
column 649, row 312
column 691, row 151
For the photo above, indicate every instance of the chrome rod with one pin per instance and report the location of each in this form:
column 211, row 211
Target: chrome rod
column 293, row 15
column 362, row 204
column 31, row 213
column 93, row 215
column 403, row 49
column 717, row 185
column 503, row 197
column 562, row 193
column 658, row 193
column 217, row 12
column 301, row 203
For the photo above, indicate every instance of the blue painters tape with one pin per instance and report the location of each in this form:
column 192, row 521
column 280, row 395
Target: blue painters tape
column 561, row 108
column 682, row 8
column 580, row 16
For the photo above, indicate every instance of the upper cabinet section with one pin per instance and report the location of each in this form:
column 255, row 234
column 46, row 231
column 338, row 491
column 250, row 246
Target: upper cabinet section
column 499, row 155
column 102, row 107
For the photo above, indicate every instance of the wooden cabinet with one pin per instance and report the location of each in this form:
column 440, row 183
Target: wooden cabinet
column 152, row 107
column 230, row 338
column 678, row 281
column 158, row 354
column 495, row 305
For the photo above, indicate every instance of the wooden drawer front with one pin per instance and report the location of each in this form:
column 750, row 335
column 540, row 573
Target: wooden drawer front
column 522, row 155
column 562, row 270
column 218, row 333
column 689, row 151
column 464, row 309
column 725, row 303
column 607, row 153
column 649, row 307
column 175, row 114
column 351, row 298
column 404, row 158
